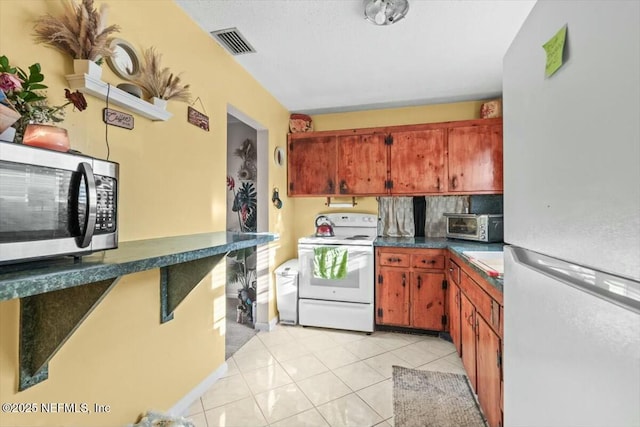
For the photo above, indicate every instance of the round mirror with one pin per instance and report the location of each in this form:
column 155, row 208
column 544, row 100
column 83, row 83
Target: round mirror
column 124, row 62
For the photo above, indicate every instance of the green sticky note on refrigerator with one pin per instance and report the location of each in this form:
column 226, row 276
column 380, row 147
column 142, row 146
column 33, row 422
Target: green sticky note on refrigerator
column 555, row 50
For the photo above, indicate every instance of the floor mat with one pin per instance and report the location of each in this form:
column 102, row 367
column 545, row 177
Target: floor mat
column 433, row 399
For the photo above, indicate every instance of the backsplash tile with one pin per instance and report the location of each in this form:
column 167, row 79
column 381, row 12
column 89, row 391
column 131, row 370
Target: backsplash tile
column 486, row 204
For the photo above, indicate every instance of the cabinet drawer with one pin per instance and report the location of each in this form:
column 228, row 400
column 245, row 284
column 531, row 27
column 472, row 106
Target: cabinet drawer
column 479, row 298
column 428, row 261
column 454, row 272
column 392, row 259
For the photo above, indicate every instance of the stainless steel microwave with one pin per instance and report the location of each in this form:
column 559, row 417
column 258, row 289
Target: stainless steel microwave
column 477, row 227
column 54, row 203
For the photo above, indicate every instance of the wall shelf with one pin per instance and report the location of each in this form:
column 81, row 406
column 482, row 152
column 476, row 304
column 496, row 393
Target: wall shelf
column 57, row 295
column 95, row 87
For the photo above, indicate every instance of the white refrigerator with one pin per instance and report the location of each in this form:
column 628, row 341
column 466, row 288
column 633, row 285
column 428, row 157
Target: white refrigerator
column 572, row 218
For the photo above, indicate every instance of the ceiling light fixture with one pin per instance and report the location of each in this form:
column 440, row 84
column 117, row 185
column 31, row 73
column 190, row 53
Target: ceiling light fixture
column 385, row 12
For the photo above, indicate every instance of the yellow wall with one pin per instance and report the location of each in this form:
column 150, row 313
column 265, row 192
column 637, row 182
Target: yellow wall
column 306, row 208
column 172, row 182
column 398, row 116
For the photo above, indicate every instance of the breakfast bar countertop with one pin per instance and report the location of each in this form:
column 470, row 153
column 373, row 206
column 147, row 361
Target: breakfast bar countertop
column 457, row 246
column 37, row 277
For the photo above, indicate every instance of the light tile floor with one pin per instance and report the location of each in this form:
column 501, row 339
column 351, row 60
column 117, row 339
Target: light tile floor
column 295, row 376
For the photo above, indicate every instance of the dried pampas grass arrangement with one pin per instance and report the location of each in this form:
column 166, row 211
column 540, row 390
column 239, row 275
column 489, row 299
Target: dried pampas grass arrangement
column 81, row 31
column 160, row 82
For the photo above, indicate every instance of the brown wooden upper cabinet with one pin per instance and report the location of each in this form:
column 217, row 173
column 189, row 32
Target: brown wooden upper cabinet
column 312, row 165
column 475, row 159
column 438, row 158
column 330, row 165
column 416, row 162
column 362, row 164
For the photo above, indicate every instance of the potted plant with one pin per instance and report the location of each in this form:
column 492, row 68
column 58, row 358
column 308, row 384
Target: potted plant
column 23, row 93
column 81, row 32
column 160, row 83
column 243, row 273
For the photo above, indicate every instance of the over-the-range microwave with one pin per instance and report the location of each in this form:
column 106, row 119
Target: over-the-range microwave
column 476, row 227
column 54, row 203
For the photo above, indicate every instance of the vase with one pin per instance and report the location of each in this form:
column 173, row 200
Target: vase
column 8, row 116
column 86, row 66
column 46, row 136
column 160, row 103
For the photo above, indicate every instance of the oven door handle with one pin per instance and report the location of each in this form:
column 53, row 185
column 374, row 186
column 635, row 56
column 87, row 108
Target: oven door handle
column 92, row 206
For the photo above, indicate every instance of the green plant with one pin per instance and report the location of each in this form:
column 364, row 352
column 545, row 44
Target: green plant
column 242, row 271
column 23, row 90
column 24, row 93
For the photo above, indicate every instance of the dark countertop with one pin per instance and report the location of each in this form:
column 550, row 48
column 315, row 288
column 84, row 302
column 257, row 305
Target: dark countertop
column 32, row 278
column 457, row 246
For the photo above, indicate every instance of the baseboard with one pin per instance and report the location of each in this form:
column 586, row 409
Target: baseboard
column 180, row 408
column 263, row 326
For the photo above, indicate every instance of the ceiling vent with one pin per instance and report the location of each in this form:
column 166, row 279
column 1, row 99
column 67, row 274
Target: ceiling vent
column 232, row 40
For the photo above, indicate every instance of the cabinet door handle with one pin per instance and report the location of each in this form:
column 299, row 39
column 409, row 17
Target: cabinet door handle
column 438, row 184
column 330, row 186
column 404, row 280
column 419, row 281
column 470, row 321
column 432, row 261
column 343, row 187
column 454, row 181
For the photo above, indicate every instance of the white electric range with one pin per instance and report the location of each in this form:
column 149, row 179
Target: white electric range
column 346, row 303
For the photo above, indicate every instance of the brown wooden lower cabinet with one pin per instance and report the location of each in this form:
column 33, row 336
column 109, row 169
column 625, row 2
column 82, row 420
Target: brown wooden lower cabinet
column 468, row 334
column 476, row 323
column 392, row 297
column 453, row 305
column 411, row 292
column 410, row 288
column 488, row 366
column 427, row 302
